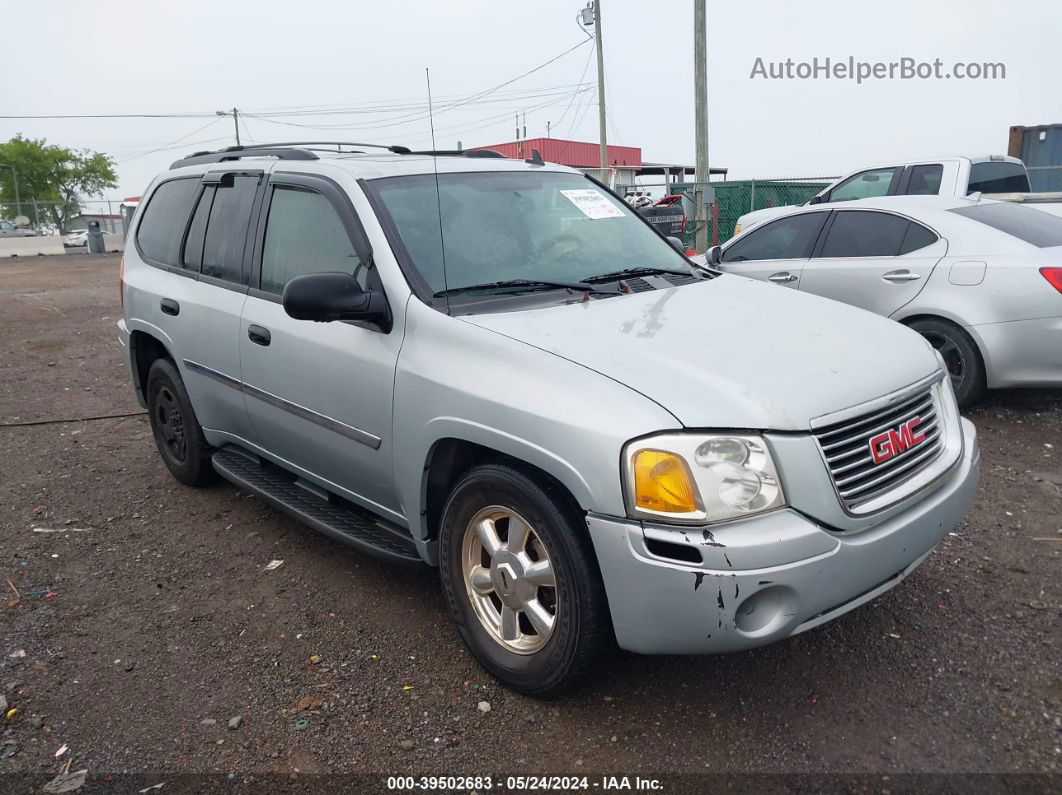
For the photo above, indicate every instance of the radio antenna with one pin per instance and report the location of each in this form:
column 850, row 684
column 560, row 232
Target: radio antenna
column 438, row 193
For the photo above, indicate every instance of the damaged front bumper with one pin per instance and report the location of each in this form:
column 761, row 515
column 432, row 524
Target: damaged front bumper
column 763, row 579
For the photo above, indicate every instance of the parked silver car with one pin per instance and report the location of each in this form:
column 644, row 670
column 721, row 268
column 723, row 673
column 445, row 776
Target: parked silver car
column 498, row 368
column 980, row 279
column 8, row 229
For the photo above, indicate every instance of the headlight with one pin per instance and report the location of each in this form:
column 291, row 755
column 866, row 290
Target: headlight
column 699, row 478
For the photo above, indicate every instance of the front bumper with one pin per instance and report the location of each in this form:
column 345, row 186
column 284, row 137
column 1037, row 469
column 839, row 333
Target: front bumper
column 766, row 578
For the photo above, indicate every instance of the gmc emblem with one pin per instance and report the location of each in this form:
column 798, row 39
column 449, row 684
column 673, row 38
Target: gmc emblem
column 896, row 440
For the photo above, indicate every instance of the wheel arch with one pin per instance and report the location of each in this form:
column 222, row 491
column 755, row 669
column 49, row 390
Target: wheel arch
column 450, row 457
column 970, row 331
column 144, row 348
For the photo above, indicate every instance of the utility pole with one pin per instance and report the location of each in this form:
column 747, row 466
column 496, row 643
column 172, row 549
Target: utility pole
column 600, row 85
column 235, row 120
column 700, row 89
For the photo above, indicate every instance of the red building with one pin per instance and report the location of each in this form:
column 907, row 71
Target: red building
column 577, row 154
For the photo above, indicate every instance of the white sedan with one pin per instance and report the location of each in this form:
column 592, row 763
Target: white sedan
column 981, row 280
column 79, row 237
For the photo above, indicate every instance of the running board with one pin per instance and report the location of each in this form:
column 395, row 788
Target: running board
column 335, row 517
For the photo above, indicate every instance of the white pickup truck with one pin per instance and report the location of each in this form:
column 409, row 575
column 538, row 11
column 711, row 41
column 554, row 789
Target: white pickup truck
column 1003, row 178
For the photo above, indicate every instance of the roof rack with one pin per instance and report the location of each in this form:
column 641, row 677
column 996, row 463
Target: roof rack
column 287, row 150
column 304, row 150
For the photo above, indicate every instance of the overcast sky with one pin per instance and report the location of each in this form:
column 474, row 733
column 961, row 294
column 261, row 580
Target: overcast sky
column 94, row 57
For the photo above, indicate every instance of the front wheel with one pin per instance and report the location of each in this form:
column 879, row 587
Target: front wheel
column 961, row 357
column 521, row 580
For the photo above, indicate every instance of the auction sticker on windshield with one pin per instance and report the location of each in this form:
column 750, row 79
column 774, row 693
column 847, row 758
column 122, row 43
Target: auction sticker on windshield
column 593, row 203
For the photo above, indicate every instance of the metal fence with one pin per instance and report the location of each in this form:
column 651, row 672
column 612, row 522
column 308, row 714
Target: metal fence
column 734, row 198
column 47, row 217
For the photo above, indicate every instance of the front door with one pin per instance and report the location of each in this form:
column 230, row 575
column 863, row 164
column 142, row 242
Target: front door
column 318, row 394
column 875, row 260
column 776, row 251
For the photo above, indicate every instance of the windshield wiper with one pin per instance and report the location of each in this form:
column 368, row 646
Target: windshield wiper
column 532, row 284
column 622, row 274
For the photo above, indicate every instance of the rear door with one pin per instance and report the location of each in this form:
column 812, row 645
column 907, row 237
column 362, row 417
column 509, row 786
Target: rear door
column 775, row 251
column 319, row 394
column 203, row 299
column 875, row 260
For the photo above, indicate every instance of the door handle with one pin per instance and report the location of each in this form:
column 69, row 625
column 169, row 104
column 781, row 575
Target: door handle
column 169, row 307
column 781, row 278
column 899, row 277
column 259, row 335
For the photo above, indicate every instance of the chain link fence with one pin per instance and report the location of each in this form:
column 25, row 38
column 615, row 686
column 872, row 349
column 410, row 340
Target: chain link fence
column 733, row 198
column 55, row 218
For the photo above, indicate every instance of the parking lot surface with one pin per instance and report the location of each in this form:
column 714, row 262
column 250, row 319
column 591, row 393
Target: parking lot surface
column 147, row 624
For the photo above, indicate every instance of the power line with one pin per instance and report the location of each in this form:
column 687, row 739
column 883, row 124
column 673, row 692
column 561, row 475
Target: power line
column 586, row 66
column 171, row 143
column 205, row 114
column 112, row 116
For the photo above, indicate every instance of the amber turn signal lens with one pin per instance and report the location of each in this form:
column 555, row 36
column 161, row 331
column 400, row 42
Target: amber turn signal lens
column 662, row 482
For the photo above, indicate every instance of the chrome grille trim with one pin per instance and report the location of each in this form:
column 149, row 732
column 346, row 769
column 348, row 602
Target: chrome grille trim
column 845, row 445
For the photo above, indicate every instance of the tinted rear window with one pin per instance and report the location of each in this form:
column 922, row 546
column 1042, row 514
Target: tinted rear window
column 859, row 233
column 226, row 230
column 917, row 237
column 998, row 177
column 193, row 245
column 925, row 180
column 1025, row 223
column 160, row 230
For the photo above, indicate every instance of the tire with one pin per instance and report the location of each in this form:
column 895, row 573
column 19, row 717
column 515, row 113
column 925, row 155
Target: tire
column 963, row 360
column 177, row 432
column 538, row 663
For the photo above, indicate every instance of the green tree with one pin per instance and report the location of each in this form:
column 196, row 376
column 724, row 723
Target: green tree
column 54, row 175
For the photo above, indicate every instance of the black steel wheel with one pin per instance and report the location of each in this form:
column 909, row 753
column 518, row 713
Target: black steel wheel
column 177, row 432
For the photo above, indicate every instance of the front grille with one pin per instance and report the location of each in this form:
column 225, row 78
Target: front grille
column 847, row 448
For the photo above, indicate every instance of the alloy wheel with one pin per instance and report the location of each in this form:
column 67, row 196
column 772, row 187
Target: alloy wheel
column 952, row 355
column 510, row 579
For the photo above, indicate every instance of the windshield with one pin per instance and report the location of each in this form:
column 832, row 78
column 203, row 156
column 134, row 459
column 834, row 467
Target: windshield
column 527, row 227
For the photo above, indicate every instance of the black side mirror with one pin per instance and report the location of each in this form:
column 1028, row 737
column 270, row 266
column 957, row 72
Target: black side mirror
column 715, row 255
column 816, row 200
column 332, row 296
column 674, row 241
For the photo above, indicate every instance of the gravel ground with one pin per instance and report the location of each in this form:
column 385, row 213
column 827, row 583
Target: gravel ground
column 149, row 628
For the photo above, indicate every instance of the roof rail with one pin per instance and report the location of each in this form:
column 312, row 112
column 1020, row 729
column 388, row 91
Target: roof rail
column 239, row 152
column 286, row 150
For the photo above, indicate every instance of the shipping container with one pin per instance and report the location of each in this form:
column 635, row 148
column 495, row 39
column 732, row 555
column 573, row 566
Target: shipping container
column 579, row 154
column 1040, row 148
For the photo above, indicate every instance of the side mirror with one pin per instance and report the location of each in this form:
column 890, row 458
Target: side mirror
column 674, row 241
column 715, row 255
column 324, row 297
column 816, row 200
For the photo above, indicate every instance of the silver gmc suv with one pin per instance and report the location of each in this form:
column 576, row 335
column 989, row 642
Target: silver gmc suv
column 497, row 368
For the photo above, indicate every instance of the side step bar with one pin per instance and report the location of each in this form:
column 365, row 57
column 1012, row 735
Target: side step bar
column 335, row 517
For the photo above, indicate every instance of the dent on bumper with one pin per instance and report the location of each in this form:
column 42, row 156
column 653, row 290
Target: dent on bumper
column 767, row 578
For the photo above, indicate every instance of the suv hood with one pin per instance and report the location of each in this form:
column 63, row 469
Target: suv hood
column 730, row 352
